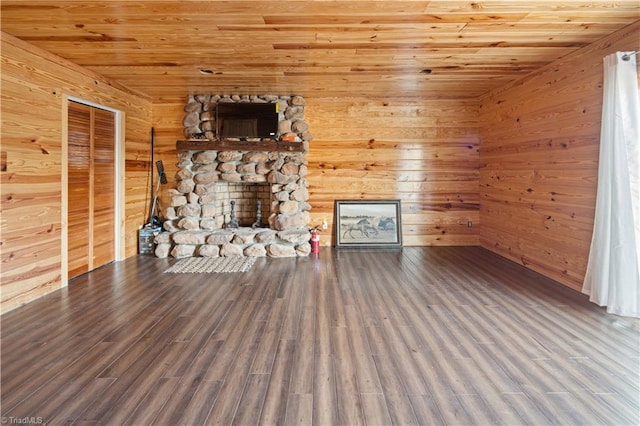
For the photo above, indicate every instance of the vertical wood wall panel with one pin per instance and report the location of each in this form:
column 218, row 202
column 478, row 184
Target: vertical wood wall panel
column 34, row 85
column 539, row 161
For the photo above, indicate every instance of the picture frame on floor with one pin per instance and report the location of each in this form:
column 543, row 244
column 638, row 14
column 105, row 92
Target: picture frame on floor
column 368, row 223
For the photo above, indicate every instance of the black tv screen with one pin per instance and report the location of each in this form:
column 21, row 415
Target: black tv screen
column 246, row 120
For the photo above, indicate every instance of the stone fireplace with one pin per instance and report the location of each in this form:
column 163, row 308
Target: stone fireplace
column 221, row 183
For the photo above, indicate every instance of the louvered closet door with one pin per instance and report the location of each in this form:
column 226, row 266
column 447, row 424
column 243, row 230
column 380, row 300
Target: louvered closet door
column 91, row 188
column 103, row 187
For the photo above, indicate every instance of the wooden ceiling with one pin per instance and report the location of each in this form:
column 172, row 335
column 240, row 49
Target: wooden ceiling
column 436, row 49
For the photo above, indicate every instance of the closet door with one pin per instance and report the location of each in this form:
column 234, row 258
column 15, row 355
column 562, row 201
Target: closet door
column 79, row 188
column 103, row 187
column 91, row 188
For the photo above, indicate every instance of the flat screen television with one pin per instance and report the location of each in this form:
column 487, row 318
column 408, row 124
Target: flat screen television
column 246, row 120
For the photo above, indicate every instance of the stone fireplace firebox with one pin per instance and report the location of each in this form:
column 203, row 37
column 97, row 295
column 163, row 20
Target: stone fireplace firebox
column 211, row 174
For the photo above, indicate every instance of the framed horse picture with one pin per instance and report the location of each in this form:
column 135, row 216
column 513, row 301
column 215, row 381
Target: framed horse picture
column 368, row 223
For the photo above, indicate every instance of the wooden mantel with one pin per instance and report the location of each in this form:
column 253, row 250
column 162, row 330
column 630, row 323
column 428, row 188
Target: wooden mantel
column 234, row 145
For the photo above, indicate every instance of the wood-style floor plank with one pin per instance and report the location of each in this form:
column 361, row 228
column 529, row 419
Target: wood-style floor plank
column 439, row 335
column 274, row 408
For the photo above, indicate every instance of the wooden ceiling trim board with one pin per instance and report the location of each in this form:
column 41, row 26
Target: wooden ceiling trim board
column 140, row 8
column 421, row 46
column 400, row 28
column 91, row 38
column 383, row 19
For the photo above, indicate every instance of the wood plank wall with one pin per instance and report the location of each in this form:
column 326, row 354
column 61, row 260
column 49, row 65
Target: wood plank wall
column 539, row 159
column 167, row 125
column 34, row 86
column 424, row 152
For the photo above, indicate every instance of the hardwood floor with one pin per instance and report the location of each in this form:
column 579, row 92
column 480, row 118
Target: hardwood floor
column 442, row 335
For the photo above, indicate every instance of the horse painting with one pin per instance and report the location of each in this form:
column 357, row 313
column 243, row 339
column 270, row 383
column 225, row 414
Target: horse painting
column 373, row 224
column 363, row 226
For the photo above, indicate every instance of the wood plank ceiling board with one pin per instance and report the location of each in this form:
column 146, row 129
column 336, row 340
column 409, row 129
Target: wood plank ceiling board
column 434, row 49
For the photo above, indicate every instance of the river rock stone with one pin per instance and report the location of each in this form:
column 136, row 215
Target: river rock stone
column 178, row 200
column 256, row 157
column 203, row 99
column 205, row 157
column 207, row 116
column 301, row 194
column 229, row 249
column 184, row 174
column 227, row 167
column 225, row 156
column 209, row 167
column 282, row 196
column 290, row 169
column 209, row 250
column 207, row 177
column 192, row 119
column 192, row 210
column 189, row 223
column 246, row 168
column 289, row 221
column 205, row 188
column 288, row 207
column 244, row 237
column 189, row 237
column 231, row 177
column 220, row 237
column 277, row 177
column 193, row 198
column 299, row 126
column 255, row 250
column 162, row 250
column 295, row 236
column 266, row 236
column 183, row 250
column 297, row 100
column 281, row 250
column 186, row 185
column 170, row 225
column 254, row 178
column 170, row 213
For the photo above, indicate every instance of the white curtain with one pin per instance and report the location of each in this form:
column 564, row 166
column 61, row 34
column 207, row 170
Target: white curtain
column 613, row 270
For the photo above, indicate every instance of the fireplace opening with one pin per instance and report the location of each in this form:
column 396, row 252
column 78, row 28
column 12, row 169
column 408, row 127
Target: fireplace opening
column 249, row 198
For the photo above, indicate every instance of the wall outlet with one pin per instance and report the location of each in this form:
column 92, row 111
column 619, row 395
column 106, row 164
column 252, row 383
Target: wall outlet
column 469, row 224
column 325, row 225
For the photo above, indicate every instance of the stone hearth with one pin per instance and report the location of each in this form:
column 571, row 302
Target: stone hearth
column 197, row 222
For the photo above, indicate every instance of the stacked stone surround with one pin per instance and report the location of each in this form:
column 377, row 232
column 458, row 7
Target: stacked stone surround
column 196, row 222
column 199, row 121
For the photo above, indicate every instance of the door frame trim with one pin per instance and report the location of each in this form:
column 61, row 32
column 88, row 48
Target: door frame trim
column 119, row 171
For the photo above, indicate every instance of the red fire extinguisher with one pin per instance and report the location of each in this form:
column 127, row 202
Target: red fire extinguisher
column 315, row 241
